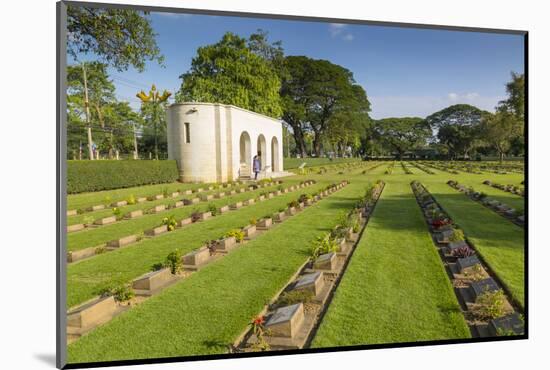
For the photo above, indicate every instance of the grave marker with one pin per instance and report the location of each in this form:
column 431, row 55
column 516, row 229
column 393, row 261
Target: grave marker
column 286, row 321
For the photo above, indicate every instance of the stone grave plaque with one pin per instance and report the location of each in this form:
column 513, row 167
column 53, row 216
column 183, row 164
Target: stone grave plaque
column 97, row 208
column 71, row 212
column 74, row 256
column 188, row 192
column 199, row 190
column 75, row 227
column 521, row 219
column 92, row 313
column 134, row 214
column 105, row 220
column 157, row 230
column 232, row 192
column 205, row 215
column 467, row 262
column 507, row 325
column 278, row 192
column 185, row 221
column 242, row 190
column 152, row 281
column 178, row 204
column 278, row 216
column 141, row 199
column 158, row 197
column 236, row 205
column 159, row 208
column 265, row 223
column 286, row 321
column 220, row 195
column 197, row 257
column 311, row 282
column 325, row 262
column 511, row 212
column 250, row 201
column 482, row 286
column 226, row 244
column 270, row 195
column 249, row 230
column 175, row 194
column 210, row 187
column 224, row 209
column 291, row 211
column 122, row 241
column 443, row 236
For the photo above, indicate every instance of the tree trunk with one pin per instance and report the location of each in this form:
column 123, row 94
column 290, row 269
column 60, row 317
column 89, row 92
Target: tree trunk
column 299, row 138
column 317, row 144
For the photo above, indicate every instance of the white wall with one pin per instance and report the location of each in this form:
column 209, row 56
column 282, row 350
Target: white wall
column 213, row 154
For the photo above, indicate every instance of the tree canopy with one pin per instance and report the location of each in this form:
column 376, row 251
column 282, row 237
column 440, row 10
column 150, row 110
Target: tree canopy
column 403, row 134
column 229, row 72
column 119, row 37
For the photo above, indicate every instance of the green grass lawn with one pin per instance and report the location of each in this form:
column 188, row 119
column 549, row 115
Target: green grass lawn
column 206, row 312
column 93, row 237
column 85, row 278
column 395, row 288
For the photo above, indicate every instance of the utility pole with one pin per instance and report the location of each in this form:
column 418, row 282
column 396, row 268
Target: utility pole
column 135, row 142
column 87, row 105
column 155, row 99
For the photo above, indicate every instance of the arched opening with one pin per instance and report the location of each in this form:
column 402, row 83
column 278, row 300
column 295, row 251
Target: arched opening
column 245, row 159
column 262, row 151
column 275, row 155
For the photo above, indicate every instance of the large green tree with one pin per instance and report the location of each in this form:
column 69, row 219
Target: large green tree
column 457, row 128
column 403, row 134
column 515, row 103
column 229, row 72
column 119, row 37
column 499, row 130
column 314, row 92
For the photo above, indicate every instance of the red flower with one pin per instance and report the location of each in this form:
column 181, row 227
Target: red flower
column 258, row 320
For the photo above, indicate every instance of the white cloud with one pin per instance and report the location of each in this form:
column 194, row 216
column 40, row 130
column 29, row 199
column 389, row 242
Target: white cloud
column 338, row 30
column 348, row 37
column 472, row 96
column 453, row 96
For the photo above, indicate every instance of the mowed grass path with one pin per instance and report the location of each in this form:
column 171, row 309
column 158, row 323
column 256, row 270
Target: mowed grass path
column 500, row 242
column 87, row 277
column 395, row 288
column 207, row 311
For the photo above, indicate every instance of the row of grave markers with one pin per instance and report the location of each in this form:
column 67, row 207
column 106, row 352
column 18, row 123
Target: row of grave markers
column 508, row 188
column 97, row 311
column 74, row 256
column 500, row 208
column 469, row 275
column 163, row 207
column 292, row 326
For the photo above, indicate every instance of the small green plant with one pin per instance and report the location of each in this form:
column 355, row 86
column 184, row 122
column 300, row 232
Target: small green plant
column 117, row 212
column 490, row 305
column 131, row 199
column 212, row 209
column 295, row 296
column 356, row 226
column 107, row 201
column 294, row 204
column 323, row 244
column 157, row 266
column 236, row 233
column 170, row 222
column 121, row 292
column 457, row 235
column 253, row 221
column 88, row 220
column 165, row 192
column 174, row 262
column 100, row 250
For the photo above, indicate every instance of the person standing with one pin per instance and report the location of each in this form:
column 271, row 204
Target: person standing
column 256, row 166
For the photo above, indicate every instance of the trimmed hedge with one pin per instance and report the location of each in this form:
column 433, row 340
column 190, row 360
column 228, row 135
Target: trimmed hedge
column 85, row 176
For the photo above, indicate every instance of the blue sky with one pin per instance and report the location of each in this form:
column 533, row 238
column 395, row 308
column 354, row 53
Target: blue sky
column 405, row 72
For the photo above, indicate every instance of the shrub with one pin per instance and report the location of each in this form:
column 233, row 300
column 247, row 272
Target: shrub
column 236, row 233
column 463, row 252
column 294, row 204
column 131, row 199
column 253, row 221
column 490, row 305
column 173, row 261
column 157, row 266
column 117, row 212
column 171, row 222
column 85, row 176
column 457, row 235
column 212, row 209
column 121, row 292
column 323, row 244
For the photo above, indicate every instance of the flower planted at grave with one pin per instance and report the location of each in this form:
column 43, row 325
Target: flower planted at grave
column 211, row 245
column 490, row 305
column 173, row 261
column 439, row 223
column 457, row 235
column 236, row 233
column 323, row 244
column 121, row 292
column 259, row 330
column 170, row 222
column 253, row 221
column 463, row 252
column 131, row 199
column 117, row 213
column 212, row 209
